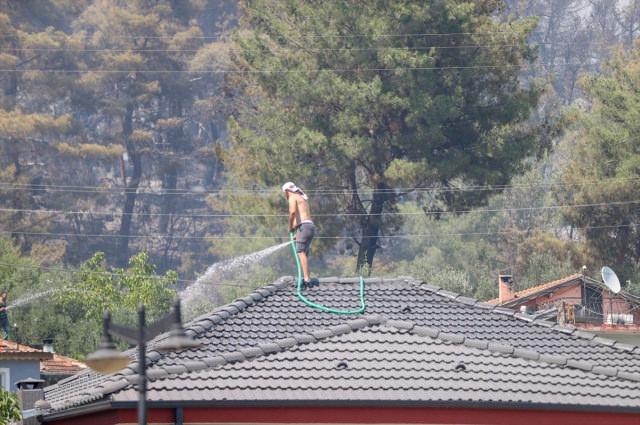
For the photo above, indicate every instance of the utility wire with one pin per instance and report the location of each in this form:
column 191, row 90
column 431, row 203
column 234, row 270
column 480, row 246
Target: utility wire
column 279, row 48
column 223, row 215
column 113, row 274
column 280, row 237
column 361, row 35
column 270, row 71
column 319, row 191
column 300, row 49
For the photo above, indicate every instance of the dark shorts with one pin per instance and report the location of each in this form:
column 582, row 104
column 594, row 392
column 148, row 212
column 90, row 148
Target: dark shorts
column 304, row 236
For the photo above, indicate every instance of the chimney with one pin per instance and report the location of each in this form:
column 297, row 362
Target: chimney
column 47, row 345
column 505, row 293
column 29, row 391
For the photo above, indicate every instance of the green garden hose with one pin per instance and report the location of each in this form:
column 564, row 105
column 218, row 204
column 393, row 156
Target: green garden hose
column 320, row 306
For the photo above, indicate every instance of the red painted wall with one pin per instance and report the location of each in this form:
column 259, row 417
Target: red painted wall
column 360, row 415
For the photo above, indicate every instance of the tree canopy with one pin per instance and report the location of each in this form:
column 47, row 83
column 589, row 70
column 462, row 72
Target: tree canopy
column 362, row 98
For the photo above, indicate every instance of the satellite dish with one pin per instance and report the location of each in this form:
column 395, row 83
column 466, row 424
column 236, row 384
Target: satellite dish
column 610, row 279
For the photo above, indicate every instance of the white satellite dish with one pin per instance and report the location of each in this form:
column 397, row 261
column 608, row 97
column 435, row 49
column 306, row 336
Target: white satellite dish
column 610, row 279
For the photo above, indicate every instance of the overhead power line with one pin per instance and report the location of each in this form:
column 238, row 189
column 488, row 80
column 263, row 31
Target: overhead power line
column 276, row 48
column 391, row 213
column 217, row 35
column 301, row 49
column 316, row 191
column 270, row 71
column 280, row 237
column 113, row 274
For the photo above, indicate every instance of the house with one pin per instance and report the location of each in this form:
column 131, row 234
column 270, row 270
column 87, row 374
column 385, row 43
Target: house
column 419, row 354
column 19, row 362
column 576, row 299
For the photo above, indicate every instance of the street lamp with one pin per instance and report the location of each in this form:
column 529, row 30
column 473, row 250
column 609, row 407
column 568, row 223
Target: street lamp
column 107, row 359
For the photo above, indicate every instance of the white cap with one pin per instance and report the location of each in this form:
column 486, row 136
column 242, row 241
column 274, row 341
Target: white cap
column 291, row 187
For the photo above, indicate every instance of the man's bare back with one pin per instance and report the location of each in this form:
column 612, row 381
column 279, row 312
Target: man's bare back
column 298, row 210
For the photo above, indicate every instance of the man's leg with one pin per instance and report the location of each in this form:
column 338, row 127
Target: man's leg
column 5, row 329
column 304, row 262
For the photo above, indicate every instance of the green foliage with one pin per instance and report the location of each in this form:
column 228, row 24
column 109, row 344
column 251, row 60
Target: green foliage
column 607, row 156
column 352, row 111
column 9, row 408
column 73, row 301
column 119, row 291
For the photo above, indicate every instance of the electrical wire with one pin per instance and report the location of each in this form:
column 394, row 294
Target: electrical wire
column 113, row 274
column 301, row 49
column 279, row 48
column 279, row 237
column 390, row 213
column 216, row 36
column 319, row 191
column 261, row 71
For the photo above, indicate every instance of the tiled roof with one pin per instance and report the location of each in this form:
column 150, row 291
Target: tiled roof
column 427, row 332
column 539, row 288
column 392, row 361
column 13, row 346
column 10, row 350
column 61, row 365
column 50, row 363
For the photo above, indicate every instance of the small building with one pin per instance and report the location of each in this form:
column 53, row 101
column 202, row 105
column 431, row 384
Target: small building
column 419, row 354
column 19, row 362
column 577, row 300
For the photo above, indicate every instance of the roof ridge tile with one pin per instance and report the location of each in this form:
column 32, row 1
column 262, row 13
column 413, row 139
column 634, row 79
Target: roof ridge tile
column 580, row 364
column 400, row 324
column 522, row 353
column 305, row 338
column 449, row 294
column 426, row 331
column 251, row 352
column 553, row 359
column 497, row 347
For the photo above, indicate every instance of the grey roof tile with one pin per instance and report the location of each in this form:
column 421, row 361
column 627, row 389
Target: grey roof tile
column 467, row 300
column 322, row 333
column 400, row 324
column 585, row 335
column 234, row 356
column 250, row 352
column 603, row 370
column 436, row 372
column 526, row 354
column 425, row 331
column 604, row 341
column 305, row 338
column 500, row 348
column 214, row 361
column 625, row 347
column 578, row 364
column 383, row 362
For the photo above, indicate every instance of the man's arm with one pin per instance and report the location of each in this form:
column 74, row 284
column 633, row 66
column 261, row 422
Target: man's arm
column 293, row 206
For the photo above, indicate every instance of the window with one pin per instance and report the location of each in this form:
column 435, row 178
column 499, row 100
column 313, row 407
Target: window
column 5, row 379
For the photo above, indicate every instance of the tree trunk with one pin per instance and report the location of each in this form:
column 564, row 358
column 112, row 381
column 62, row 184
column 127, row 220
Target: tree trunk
column 175, row 138
column 370, row 231
column 168, row 207
column 131, row 189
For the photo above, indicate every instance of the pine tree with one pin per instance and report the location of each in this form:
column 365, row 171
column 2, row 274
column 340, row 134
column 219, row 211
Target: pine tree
column 363, row 97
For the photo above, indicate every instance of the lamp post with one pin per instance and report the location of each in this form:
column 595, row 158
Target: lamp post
column 107, row 359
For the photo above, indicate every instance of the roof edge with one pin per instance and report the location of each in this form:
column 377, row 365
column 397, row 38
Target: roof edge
column 565, row 329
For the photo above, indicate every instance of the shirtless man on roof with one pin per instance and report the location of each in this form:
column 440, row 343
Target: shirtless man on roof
column 300, row 222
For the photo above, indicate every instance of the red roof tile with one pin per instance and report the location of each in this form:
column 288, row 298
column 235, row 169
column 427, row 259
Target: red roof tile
column 539, row 288
column 51, row 364
column 61, row 365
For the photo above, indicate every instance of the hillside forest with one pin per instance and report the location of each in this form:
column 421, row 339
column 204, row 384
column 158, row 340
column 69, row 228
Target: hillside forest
column 143, row 141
